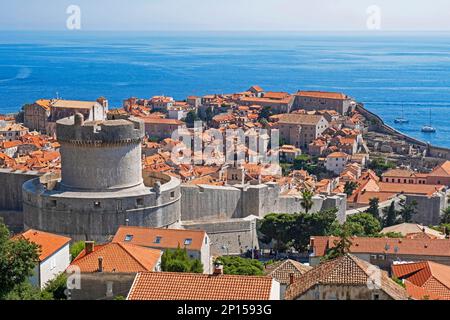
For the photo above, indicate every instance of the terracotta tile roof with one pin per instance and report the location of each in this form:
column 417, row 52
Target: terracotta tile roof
column 413, row 228
column 10, row 144
column 419, row 293
column 433, row 277
column 276, row 95
column 119, row 257
column 322, row 95
column 256, row 88
column 190, row 286
column 282, row 270
column 338, row 155
column 420, row 189
column 73, row 104
column 428, row 247
column 347, row 270
column 49, row 242
column 301, row 119
column 167, row 238
column 399, row 173
column 442, row 170
column 157, row 120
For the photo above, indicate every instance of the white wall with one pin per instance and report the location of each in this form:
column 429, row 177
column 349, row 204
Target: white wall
column 275, row 290
column 51, row 267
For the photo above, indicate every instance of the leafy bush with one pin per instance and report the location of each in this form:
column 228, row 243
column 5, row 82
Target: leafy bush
column 241, row 266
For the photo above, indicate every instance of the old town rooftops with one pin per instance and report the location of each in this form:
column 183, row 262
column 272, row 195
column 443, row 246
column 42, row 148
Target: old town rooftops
column 161, row 238
column 49, row 243
column 347, row 270
column 400, row 246
column 118, row 257
column 432, row 277
column 300, row 119
column 322, row 95
column 194, row 286
column 69, row 104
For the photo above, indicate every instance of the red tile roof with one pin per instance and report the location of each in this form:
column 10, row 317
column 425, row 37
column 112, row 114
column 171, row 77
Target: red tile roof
column 282, row 270
column 50, row 243
column 119, row 257
column 168, row 238
column 322, row 95
column 347, row 271
column 194, row 286
column 433, row 277
column 429, row 247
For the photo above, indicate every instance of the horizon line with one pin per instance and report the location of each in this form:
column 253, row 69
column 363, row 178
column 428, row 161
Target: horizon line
column 235, row 31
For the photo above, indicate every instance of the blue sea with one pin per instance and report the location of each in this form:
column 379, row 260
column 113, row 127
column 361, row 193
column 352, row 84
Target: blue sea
column 386, row 71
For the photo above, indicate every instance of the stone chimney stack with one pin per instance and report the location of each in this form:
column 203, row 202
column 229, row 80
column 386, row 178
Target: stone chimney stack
column 100, row 264
column 89, row 246
column 218, row 270
column 291, row 278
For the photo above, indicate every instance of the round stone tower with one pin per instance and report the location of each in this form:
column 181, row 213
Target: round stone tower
column 102, row 185
column 100, row 156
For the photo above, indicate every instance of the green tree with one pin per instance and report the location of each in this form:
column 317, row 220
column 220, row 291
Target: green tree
column 241, row 266
column 75, row 249
column 18, row 258
column 370, row 224
column 307, row 201
column 25, row 291
column 178, row 261
column 445, row 217
column 390, row 215
column 341, row 246
column 56, row 287
column 380, row 165
column 407, row 211
column 350, row 187
column 209, row 114
column 265, row 113
column 374, row 208
column 295, row 230
column 361, row 225
column 278, row 227
column 191, row 117
column 302, row 162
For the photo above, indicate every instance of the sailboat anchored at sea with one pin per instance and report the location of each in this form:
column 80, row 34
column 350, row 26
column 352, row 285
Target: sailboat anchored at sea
column 401, row 119
column 428, row 128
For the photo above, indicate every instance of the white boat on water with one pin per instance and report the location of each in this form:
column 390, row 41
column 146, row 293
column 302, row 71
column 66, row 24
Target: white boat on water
column 401, row 119
column 428, row 128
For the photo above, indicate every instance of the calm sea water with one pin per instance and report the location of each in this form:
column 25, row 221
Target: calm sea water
column 385, row 71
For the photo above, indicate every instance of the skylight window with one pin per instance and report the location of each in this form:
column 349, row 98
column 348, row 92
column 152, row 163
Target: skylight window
column 128, row 237
column 187, row 242
column 158, row 239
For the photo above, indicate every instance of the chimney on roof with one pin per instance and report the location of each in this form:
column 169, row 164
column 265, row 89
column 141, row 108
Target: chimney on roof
column 100, row 264
column 218, row 269
column 89, row 246
column 291, row 278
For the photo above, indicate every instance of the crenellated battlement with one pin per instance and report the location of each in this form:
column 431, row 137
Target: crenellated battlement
column 76, row 131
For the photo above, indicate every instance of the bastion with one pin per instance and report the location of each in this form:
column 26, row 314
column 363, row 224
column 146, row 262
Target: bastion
column 102, row 185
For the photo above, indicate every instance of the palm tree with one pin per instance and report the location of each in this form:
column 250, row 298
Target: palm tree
column 307, row 201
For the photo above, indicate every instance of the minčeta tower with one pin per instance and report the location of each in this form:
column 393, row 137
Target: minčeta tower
column 102, row 185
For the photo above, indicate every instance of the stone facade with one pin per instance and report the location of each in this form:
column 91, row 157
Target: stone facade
column 341, row 292
column 102, row 186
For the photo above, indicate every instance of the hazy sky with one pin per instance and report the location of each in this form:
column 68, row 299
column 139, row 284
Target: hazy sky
column 225, row 14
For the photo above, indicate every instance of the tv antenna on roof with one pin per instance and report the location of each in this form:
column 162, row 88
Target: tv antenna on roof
column 57, row 95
